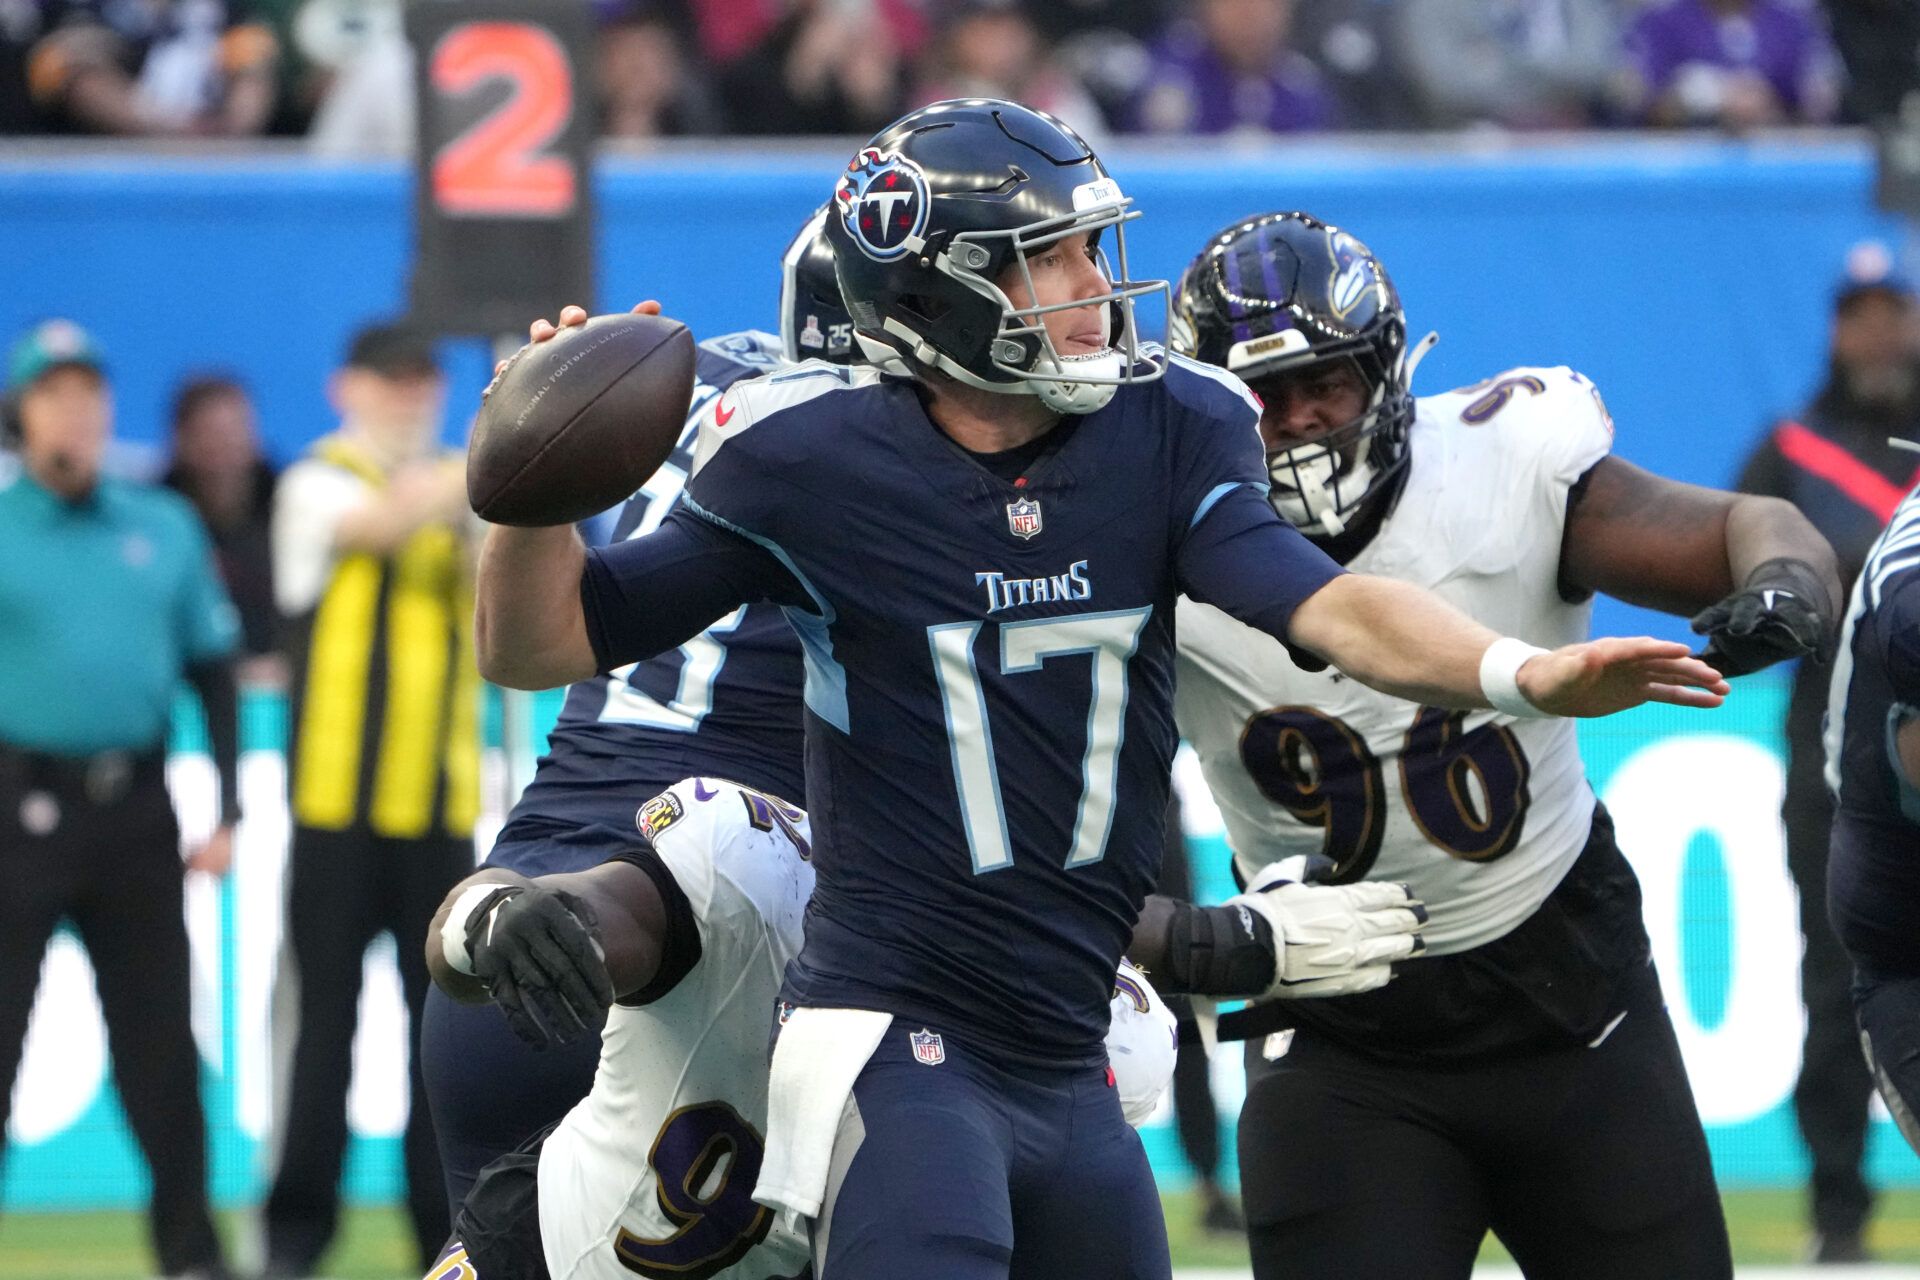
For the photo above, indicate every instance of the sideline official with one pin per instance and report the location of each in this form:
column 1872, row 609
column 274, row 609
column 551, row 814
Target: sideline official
column 372, row 571
column 108, row 596
column 1835, row 465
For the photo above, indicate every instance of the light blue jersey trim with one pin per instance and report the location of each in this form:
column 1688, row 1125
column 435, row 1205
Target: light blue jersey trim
column 826, row 687
column 1220, row 491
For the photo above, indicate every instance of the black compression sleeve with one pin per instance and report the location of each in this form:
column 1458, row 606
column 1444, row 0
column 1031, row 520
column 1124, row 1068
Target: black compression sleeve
column 680, row 948
column 1212, row 951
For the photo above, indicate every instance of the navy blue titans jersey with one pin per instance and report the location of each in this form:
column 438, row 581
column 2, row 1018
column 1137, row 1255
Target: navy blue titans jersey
column 989, row 669
column 724, row 704
column 1876, row 687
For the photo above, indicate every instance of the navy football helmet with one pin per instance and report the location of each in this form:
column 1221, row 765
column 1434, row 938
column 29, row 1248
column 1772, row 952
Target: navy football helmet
column 814, row 324
column 1282, row 293
column 932, row 211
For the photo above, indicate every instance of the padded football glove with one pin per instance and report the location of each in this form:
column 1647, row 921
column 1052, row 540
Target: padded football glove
column 1332, row 939
column 1781, row 612
column 537, row 953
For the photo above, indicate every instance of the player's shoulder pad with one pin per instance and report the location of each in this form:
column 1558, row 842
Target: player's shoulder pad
column 1893, row 566
column 722, row 361
column 1553, row 415
column 1208, row 391
column 797, row 393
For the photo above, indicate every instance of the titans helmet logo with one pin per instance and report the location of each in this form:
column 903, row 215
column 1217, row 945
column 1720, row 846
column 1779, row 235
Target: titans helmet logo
column 882, row 201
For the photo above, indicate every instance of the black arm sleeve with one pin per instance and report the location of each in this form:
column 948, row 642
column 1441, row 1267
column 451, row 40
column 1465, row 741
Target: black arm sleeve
column 680, row 949
column 647, row 595
column 214, row 681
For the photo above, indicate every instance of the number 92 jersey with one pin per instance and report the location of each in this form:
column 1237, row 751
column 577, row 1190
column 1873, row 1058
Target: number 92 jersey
column 652, row 1173
column 1480, row 813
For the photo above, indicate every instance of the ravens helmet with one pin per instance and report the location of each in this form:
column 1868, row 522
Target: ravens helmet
column 814, row 324
column 931, row 212
column 1286, row 292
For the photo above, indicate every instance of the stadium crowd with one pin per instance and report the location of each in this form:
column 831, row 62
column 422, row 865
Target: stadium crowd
column 338, row 72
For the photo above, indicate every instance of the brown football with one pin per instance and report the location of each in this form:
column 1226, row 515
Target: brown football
column 575, row 424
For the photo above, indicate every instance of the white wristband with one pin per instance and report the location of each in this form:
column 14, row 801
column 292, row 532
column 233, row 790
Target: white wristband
column 453, row 933
column 1500, row 677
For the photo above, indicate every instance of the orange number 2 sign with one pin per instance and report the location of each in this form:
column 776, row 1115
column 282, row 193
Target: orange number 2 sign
column 495, row 167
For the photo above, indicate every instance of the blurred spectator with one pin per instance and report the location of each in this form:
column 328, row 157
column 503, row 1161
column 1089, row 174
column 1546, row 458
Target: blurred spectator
column 1063, row 19
column 1520, row 64
column 1353, row 44
column 178, row 68
column 1230, row 68
column 372, row 573
column 648, row 87
column 830, row 66
column 362, row 78
column 992, row 49
column 1738, row 64
column 110, row 597
column 1836, row 466
column 1879, row 44
column 218, row 467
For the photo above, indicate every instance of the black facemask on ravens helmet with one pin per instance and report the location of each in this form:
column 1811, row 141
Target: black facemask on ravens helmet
column 1286, row 293
column 937, row 206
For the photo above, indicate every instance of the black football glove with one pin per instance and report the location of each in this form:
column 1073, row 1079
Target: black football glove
column 1782, row 612
column 537, row 953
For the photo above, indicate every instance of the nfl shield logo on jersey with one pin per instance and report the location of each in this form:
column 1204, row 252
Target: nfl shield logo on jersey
column 928, row 1047
column 1023, row 517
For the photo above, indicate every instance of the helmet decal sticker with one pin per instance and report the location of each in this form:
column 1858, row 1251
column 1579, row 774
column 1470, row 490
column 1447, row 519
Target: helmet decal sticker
column 882, row 200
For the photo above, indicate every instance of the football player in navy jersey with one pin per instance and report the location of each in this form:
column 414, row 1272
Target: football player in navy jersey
column 1873, row 769
column 1391, row 1129
column 725, row 704
column 981, row 560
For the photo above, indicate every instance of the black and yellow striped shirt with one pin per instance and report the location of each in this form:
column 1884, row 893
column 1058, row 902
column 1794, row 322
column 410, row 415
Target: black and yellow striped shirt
column 386, row 732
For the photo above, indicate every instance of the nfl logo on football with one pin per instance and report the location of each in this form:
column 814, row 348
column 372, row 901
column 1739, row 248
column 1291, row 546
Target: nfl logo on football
column 927, row 1047
column 1023, row 517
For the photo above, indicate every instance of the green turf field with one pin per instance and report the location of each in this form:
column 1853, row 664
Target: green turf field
column 1766, row 1227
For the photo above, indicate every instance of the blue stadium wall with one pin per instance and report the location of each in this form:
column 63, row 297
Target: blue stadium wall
column 1692, row 281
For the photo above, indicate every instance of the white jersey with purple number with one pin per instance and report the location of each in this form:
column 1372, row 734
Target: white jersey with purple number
column 653, row 1172
column 1480, row 813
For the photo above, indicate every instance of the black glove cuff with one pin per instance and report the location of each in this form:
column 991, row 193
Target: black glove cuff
column 1219, row 951
column 477, row 917
column 1784, row 573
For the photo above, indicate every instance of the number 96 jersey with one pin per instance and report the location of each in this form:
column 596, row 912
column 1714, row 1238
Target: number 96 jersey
column 653, row 1172
column 1480, row 813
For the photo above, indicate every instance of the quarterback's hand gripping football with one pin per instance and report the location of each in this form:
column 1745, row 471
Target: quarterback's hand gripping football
column 1600, row 677
column 1332, row 939
column 1765, row 623
column 544, row 330
column 537, row 953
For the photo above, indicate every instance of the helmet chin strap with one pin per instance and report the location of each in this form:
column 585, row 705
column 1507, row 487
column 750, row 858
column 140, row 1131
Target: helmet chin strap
column 1309, row 504
column 1415, row 354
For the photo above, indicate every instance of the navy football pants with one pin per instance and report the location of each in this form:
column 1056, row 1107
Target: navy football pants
column 972, row 1169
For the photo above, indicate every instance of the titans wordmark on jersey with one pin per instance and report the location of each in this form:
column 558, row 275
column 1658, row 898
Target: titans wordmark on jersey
column 653, row 1173
column 727, row 702
column 1480, row 813
column 988, row 677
